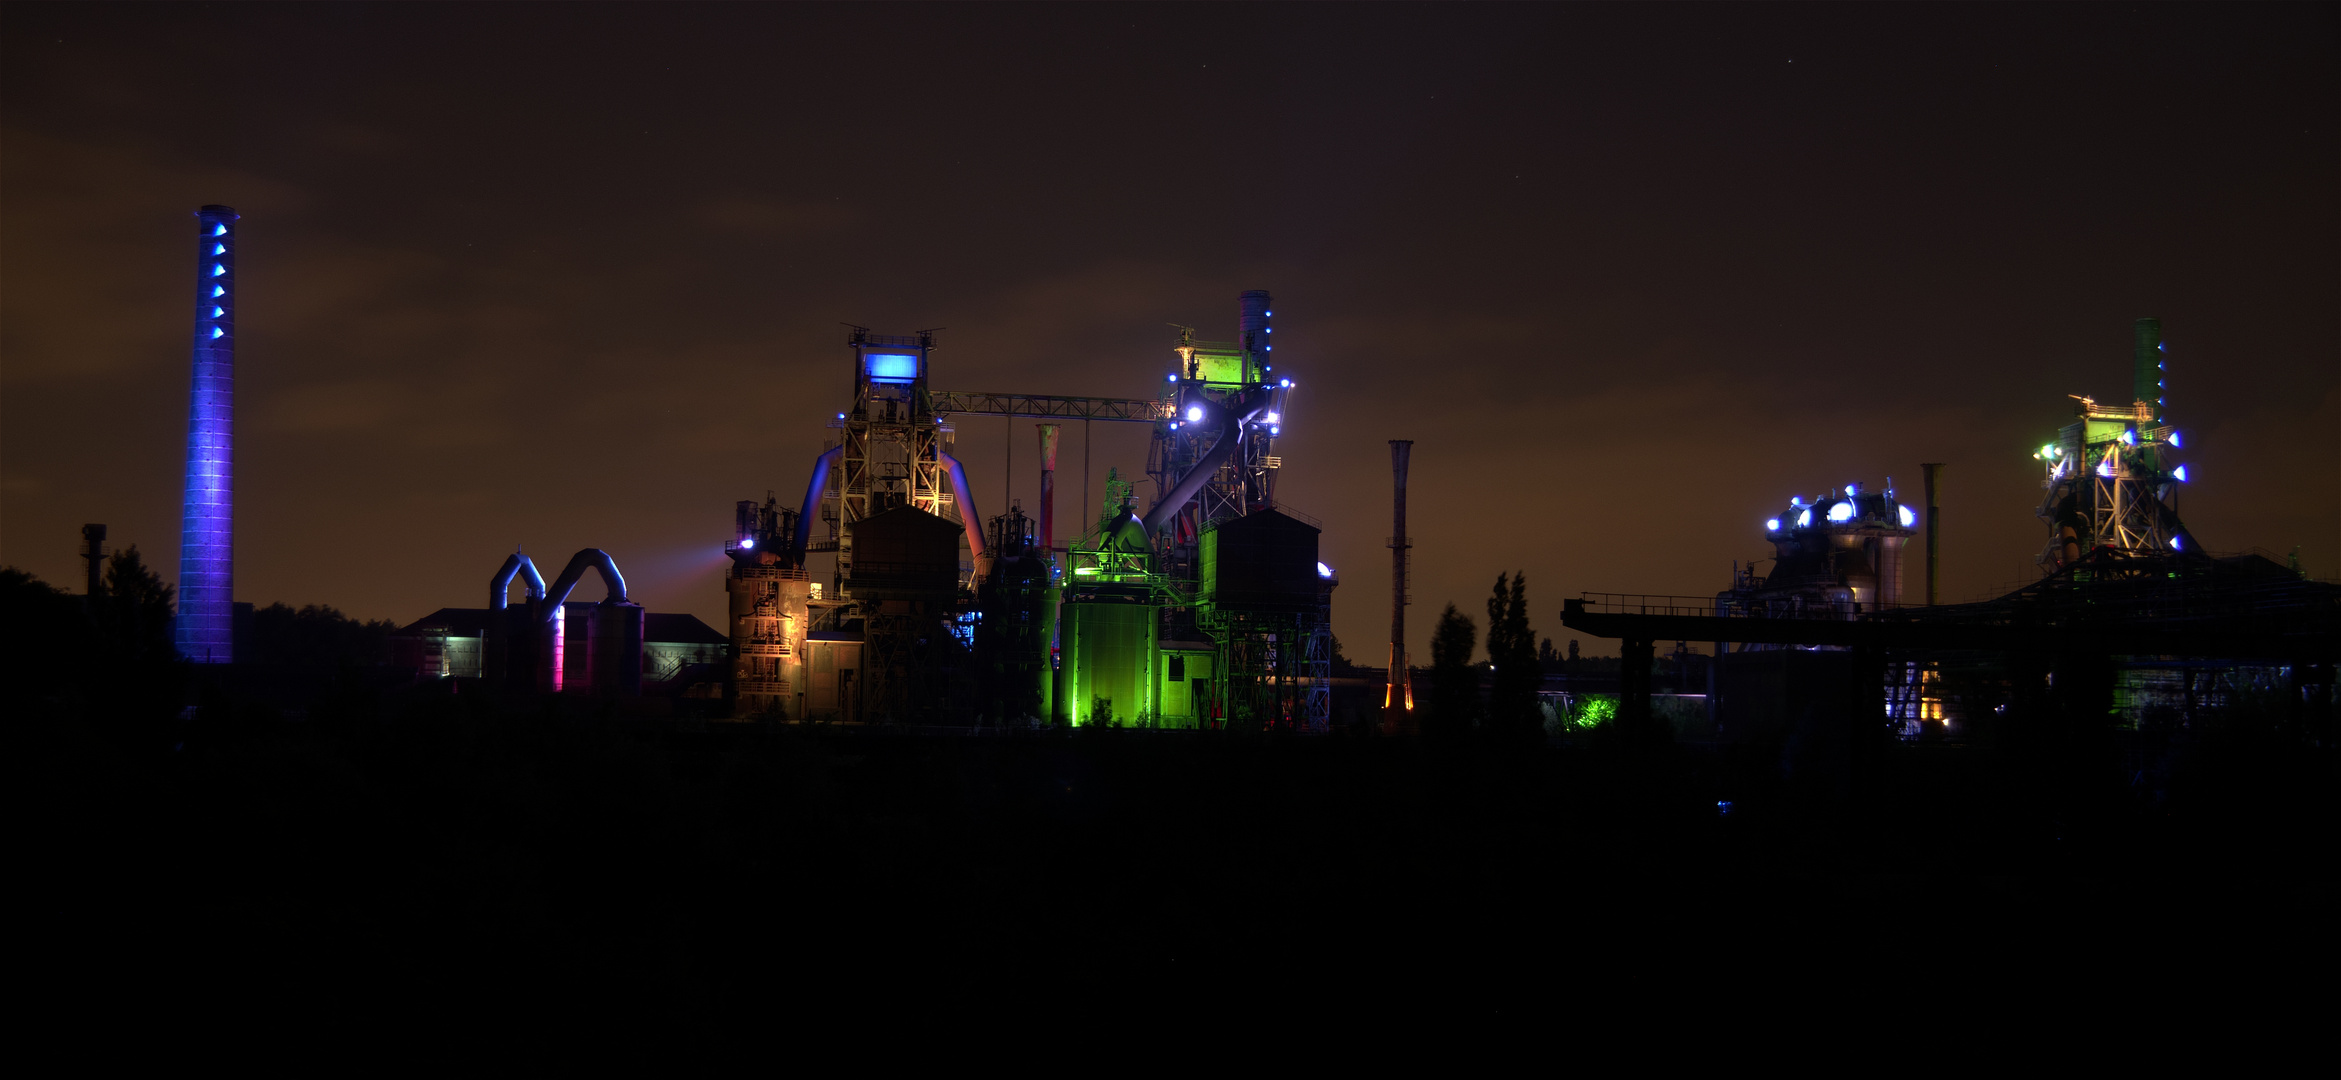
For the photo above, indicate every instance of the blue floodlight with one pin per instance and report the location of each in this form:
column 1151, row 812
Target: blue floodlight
column 1274, row 430
column 1324, row 570
column 748, row 543
column 219, row 230
column 219, row 290
column 892, row 367
column 218, row 270
column 2174, row 441
column 1771, row 524
column 217, row 332
column 1194, row 414
column 1174, row 377
column 1908, row 519
column 1275, row 418
column 2181, row 473
column 1805, row 519
column 1841, row 512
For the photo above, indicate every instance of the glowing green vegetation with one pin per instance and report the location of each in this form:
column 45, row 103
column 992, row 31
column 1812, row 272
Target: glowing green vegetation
column 1594, row 710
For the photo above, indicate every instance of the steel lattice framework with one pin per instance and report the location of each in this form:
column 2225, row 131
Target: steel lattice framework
column 892, row 443
column 1131, row 410
column 2111, row 484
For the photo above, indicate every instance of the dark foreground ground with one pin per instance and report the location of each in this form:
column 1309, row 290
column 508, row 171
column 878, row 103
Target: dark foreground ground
column 499, row 860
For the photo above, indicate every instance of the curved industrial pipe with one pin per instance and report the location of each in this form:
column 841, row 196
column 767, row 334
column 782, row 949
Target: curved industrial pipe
column 821, row 467
column 514, row 563
column 973, row 521
column 589, row 559
column 1231, row 433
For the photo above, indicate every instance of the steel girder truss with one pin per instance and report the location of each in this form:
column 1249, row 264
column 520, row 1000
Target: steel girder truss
column 892, row 451
column 1134, row 410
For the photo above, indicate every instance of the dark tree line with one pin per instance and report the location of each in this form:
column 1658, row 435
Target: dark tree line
column 108, row 656
column 1509, row 716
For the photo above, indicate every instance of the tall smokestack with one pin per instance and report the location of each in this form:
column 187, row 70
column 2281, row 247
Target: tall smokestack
column 205, row 629
column 1048, row 486
column 1398, row 693
column 93, row 551
column 1934, row 533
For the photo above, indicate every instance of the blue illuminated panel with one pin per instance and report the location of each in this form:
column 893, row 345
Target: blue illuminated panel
column 205, row 628
column 892, row 367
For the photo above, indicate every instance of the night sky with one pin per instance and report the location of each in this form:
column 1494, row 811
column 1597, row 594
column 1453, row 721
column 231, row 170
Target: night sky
column 570, row 276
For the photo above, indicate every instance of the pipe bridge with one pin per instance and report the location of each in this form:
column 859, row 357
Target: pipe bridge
column 1132, row 410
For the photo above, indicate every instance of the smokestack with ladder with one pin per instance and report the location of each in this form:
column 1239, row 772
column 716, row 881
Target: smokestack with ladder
column 1398, row 692
column 1048, row 487
column 205, row 628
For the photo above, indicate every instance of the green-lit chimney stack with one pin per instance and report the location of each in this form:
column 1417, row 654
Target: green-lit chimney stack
column 2146, row 367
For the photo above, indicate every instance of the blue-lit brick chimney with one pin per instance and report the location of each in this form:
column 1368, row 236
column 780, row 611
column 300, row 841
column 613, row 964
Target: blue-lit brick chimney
column 205, row 628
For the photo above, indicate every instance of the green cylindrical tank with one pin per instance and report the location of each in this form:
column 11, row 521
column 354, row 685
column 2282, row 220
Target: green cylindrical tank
column 1108, row 660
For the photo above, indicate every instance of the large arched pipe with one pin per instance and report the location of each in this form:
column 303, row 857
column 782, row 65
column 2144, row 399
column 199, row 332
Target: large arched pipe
column 973, row 521
column 1231, row 434
column 589, row 559
column 501, row 585
column 821, row 467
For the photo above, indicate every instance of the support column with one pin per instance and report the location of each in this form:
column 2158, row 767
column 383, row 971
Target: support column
column 1634, row 719
column 1934, row 533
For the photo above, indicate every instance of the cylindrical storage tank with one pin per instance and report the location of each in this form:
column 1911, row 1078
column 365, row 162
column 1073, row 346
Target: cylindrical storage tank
column 515, row 642
column 1889, row 564
column 617, row 648
column 1113, row 661
column 573, row 640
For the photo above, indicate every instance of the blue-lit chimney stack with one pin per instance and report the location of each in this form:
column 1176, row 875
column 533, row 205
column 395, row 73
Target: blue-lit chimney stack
column 207, row 538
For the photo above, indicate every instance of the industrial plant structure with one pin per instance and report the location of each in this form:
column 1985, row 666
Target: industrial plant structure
column 548, row 643
column 2131, row 617
column 1210, row 608
column 1837, row 556
column 2111, row 482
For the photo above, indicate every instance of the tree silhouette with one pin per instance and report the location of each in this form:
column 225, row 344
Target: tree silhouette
column 1512, row 716
column 1454, row 682
column 134, row 614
